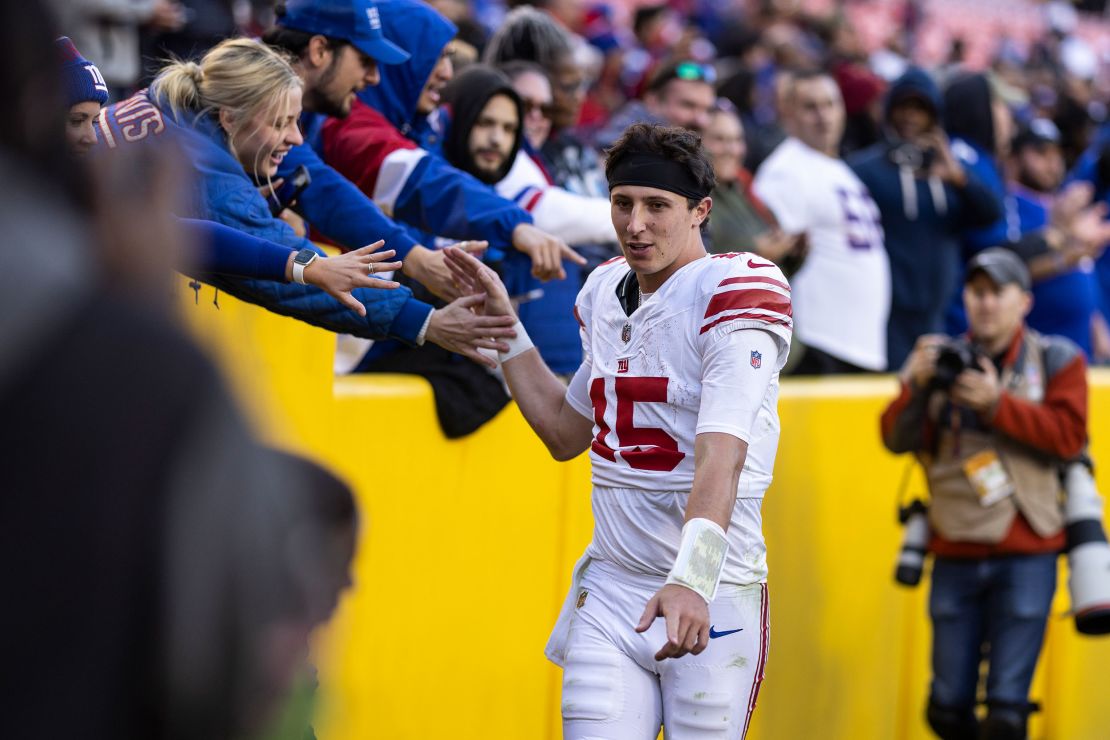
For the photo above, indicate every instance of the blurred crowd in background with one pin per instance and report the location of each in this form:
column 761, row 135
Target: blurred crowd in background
column 936, row 129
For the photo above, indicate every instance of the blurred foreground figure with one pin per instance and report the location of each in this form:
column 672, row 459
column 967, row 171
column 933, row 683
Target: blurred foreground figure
column 154, row 553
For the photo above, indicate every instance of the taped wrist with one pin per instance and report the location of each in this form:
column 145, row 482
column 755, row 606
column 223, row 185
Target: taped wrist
column 701, row 558
column 521, row 343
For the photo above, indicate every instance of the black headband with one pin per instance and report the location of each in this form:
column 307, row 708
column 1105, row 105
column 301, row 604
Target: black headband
column 654, row 171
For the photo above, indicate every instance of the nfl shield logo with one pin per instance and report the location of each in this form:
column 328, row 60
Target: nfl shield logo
column 757, row 359
column 626, row 332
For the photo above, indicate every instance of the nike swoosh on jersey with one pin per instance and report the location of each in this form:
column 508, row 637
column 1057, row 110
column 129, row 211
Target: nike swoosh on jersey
column 754, row 264
column 713, row 634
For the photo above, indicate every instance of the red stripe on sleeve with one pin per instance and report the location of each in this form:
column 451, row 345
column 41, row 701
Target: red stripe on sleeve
column 578, row 317
column 756, row 316
column 753, row 279
column 767, row 300
column 531, row 204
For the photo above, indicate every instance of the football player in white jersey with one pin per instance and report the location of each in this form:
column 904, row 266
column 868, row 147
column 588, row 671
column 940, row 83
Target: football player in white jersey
column 677, row 402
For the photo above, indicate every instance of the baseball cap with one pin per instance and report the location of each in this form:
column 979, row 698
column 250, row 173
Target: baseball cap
column 1036, row 132
column 356, row 21
column 1001, row 265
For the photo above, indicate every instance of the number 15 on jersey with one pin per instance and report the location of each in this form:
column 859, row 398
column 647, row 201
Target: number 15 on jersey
column 643, row 448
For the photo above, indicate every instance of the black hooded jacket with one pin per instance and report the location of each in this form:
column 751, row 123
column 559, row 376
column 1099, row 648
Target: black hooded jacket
column 467, row 95
column 967, row 111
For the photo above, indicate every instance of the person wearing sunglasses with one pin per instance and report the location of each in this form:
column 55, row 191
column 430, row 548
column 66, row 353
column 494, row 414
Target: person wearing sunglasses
column 531, row 35
column 680, row 93
column 534, row 88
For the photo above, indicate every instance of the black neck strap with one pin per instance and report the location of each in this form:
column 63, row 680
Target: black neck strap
column 628, row 293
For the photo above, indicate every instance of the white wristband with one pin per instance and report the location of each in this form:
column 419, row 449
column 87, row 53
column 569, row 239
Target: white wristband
column 522, row 343
column 701, row 558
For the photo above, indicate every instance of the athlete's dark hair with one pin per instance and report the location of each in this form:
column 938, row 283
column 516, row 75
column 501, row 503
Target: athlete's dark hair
column 676, row 144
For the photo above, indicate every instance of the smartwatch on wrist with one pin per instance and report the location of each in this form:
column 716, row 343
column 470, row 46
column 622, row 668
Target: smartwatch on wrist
column 304, row 258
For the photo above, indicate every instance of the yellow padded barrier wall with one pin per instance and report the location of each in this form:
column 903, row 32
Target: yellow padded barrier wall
column 467, row 548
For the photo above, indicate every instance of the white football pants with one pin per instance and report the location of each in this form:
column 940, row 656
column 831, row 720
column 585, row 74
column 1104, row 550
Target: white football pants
column 614, row 689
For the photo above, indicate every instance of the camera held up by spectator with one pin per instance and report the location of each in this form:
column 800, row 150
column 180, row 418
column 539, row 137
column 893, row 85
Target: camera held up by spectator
column 912, row 156
column 953, row 357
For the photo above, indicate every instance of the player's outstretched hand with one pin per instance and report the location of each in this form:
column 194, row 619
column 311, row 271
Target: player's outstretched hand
column 547, row 252
column 427, row 266
column 338, row 276
column 457, row 328
column 476, row 278
column 687, row 619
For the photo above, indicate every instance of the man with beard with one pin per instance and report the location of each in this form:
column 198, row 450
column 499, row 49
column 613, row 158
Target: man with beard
column 369, row 145
column 337, row 47
column 485, row 137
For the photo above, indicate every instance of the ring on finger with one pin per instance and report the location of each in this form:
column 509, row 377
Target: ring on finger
column 373, row 267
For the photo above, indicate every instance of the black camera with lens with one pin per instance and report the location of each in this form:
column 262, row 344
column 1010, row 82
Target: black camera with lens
column 953, row 358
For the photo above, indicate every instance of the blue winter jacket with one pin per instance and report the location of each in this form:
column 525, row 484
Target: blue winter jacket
column 436, row 198
column 334, row 205
column 423, row 33
column 218, row 248
column 226, row 195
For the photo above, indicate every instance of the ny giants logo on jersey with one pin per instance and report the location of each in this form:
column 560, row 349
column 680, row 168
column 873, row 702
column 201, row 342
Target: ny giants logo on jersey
column 622, row 365
column 757, row 359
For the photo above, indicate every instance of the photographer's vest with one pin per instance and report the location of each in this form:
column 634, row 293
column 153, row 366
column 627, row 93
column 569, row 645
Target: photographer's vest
column 957, row 512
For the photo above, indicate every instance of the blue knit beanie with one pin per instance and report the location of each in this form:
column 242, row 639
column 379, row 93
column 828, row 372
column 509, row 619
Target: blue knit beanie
column 81, row 79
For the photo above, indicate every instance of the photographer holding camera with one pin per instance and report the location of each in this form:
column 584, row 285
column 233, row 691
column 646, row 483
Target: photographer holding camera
column 926, row 200
column 990, row 416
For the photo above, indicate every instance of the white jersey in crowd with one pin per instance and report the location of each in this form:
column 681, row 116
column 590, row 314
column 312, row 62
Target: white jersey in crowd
column 642, row 383
column 842, row 291
column 576, row 219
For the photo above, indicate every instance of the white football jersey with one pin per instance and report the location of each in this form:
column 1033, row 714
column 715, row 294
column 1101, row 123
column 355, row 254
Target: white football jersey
column 641, row 383
column 842, row 291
